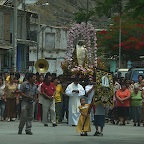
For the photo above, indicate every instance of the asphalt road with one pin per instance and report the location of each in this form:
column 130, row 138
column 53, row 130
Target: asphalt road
column 64, row 134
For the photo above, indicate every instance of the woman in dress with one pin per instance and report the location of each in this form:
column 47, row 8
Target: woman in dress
column 10, row 94
column 123, row 103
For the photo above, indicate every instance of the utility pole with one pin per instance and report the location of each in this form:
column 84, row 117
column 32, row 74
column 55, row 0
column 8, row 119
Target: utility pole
column 120, row 43
column 15, row 37
column 38, row 36
column 38, row 33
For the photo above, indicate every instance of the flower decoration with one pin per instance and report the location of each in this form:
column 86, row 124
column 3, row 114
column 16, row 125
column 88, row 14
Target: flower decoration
column 82, row 71
column 88, row 33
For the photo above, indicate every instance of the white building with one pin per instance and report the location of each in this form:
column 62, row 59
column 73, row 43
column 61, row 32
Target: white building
column 52, row 47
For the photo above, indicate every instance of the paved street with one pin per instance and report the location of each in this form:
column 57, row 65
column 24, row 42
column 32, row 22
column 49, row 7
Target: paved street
column 64, row 134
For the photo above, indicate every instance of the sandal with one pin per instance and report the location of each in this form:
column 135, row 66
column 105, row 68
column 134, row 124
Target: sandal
column 96, row 133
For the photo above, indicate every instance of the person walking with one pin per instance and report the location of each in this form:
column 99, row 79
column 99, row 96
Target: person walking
column 83, row 125
column 28, row 91
column 99, row 118
column 75, row 91
column 48, row 91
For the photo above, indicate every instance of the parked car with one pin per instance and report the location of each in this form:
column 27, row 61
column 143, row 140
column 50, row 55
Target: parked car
column 121, row 72
column 133, row 74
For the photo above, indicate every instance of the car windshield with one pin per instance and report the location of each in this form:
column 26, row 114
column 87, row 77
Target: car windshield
column 136, row 73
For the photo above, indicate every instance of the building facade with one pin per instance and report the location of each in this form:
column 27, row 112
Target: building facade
column 6, row 38
column 52, row 47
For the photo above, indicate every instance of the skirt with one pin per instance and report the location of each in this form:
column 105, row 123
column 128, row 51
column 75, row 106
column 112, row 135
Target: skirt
column 123, row 111
column 99, row 120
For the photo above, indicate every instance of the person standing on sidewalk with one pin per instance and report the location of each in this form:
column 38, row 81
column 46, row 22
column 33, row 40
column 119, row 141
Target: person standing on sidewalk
column 58, row 99
column 28, row 91
column 136, row 104
column 2, row 98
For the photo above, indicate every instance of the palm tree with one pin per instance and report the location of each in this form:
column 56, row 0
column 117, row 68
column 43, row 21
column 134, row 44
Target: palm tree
column 136, row 7
column 109, row 8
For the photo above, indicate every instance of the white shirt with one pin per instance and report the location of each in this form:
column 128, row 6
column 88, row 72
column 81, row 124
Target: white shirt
column 90, row 95
column 2, row 87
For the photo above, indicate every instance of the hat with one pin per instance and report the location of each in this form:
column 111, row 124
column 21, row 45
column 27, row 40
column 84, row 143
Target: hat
column 136, row 86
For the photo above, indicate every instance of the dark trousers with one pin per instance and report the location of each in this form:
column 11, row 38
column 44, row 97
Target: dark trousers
column 2, row 108
column 58, row 109
column 26, row 116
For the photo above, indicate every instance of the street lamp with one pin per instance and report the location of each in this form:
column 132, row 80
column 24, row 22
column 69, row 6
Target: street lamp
column 38, row 34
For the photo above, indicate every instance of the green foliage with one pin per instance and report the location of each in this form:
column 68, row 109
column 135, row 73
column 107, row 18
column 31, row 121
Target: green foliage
column 132, row 38
column 108, row 7
column 135, row 7
column 84, row 15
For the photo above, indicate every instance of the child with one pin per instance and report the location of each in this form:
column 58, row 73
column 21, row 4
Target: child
column 83, row 125
column 99, row 119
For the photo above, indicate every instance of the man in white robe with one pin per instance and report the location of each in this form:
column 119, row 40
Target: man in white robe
column 75, row 91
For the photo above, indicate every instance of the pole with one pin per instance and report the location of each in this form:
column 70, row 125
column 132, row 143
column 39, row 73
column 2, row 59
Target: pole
column 42, row 49
column 15, row 37
column 38, row 36
column 120, row 43
column 87, row 9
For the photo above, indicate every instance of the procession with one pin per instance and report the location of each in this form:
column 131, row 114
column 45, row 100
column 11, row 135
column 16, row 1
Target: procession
column 83, row 94
column 71, row 71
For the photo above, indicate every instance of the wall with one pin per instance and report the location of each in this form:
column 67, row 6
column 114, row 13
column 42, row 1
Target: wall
column 53, row 42
column 1, row 27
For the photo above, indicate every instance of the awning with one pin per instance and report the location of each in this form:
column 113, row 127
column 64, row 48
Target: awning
column 5, row 47
column 26, row 42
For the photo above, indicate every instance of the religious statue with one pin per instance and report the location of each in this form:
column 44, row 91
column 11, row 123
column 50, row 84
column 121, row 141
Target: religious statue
column 80, row 54
column 104, row 87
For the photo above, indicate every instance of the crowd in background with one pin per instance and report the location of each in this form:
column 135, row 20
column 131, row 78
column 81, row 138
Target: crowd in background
column 10, row 98
column 128, row 102
column 128, row 99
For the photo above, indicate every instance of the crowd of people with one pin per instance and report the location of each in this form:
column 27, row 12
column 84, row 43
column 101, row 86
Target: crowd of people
column 51, row 99
column 128, row 102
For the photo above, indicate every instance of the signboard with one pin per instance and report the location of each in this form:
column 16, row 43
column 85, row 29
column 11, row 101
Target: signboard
column 30, row 1
column 30, row 63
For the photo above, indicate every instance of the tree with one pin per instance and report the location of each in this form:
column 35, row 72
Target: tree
column 108, row 7
column 84, row 15
column 136, row 7
column 132, row 43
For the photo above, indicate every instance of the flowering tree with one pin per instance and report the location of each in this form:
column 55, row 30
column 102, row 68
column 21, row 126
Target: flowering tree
column 132, row 43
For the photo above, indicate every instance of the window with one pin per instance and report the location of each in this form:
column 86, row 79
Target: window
column 136, row 73
column 50, row 41
column 32, row 36
column 1, row 26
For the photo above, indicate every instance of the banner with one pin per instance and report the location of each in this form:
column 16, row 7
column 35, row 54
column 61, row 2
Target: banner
column 104, row 90
column 30, row 1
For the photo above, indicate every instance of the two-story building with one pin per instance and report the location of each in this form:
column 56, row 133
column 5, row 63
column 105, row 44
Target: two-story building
column 52, row 47
column 23, row 38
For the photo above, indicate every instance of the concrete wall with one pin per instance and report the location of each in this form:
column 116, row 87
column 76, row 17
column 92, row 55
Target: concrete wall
column 1, row 27
column 53, row 53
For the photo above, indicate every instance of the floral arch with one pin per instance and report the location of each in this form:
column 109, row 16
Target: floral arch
column 86, row 32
